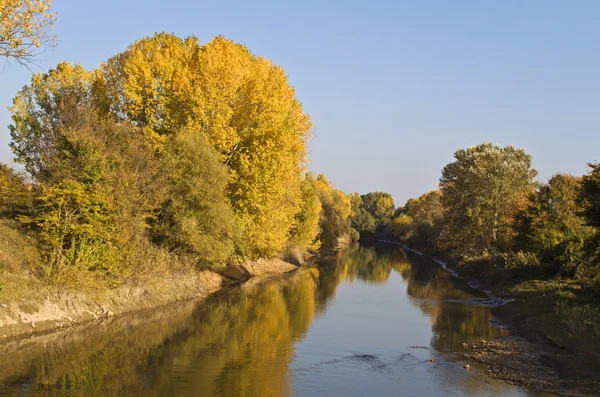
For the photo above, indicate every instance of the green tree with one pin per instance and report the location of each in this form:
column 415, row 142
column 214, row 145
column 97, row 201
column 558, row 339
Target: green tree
column 591, row 204
column 380, row 206
column 479, row 194
column 39, row 112
column 591, row 194
column 554, row 228
column 196, row 218
column 362, row 220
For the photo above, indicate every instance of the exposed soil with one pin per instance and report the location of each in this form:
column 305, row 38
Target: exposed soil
column 60, row 310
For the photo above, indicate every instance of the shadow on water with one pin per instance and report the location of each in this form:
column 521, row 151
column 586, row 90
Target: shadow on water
column 255, row 340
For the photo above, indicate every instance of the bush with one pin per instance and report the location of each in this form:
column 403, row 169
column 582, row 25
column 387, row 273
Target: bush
column 579, row 320
column 17, row 253
column 520, row 259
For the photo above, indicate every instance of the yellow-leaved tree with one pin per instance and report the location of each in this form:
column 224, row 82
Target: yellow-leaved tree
column 242, row 104
column 25, row 27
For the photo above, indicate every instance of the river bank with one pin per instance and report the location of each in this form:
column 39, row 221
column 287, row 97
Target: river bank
column 542, row 353
column 49, row 309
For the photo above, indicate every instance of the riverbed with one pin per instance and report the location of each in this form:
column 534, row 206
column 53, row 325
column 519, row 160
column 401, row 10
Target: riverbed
column 373, row 321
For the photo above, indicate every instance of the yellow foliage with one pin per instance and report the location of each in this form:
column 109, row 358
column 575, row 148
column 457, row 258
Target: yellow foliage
column 244, row 106
column 25, row 26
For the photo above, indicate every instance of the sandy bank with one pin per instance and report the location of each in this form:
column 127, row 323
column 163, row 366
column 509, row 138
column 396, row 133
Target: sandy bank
column 60, row 310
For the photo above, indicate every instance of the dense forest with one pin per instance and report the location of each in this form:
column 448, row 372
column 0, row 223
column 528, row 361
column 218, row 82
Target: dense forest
column 169, row 152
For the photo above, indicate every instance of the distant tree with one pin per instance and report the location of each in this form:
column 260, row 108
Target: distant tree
column 402, row 226
column 427, row 208
column 305, row 233
column 362, row 220
column 425, row 213
column 335, row 215
column 380, row 206
column 479, row 190
column 25, row 27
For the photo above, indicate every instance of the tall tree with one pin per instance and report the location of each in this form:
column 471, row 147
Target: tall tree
column 39, row 111
column 479, row 190
column 241, row 103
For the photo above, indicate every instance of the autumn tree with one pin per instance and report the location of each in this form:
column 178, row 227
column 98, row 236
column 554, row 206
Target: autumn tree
column 244, row 107
column 590, row 200
column 335, row 228
column 25, row 27
column 553, row 227
column 419, row 222
column 15, row 193
column 479, row 190
column 305, row 233
column 38, row 114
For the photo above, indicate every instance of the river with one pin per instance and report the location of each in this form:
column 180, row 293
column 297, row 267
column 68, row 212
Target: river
column 374, row 321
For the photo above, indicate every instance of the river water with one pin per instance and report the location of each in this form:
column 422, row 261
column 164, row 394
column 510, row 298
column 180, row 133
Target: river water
column 367, row 323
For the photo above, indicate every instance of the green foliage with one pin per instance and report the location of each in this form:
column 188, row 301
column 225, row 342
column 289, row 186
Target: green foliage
column 480, row 190
column 362, row 220
column 591, row 194
column 372, row 214
column 552, row 226
column 196, row 218
column 381, row 207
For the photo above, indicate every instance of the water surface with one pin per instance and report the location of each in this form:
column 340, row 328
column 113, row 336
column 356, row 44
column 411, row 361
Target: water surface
column 366, row 323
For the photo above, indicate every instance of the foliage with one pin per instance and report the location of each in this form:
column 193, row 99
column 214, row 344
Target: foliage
column 479, row 192
column 17, row 250
column 15, row 194
column 170, row 152
column 402, row 226
column 196, row 217
column 40, row 112
column 579, row 319
column 241, row 103
column 552, row 226
column 25, row 26
column 305, row 232
column 362, row 220
column 591, row 194
column 335, row 215
column 372, row 214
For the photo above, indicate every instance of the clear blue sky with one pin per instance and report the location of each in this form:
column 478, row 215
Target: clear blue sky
column 393, row 87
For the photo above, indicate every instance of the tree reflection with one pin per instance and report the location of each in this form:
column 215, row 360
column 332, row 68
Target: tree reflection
column 236, row 343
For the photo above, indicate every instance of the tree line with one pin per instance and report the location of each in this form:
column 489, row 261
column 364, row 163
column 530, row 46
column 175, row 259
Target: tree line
column 169, row 151
column 490, row 207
